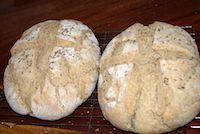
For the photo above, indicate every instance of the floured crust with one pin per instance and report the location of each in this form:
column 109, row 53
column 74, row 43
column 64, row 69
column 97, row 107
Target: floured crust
column 160, row 87
column 53, row 69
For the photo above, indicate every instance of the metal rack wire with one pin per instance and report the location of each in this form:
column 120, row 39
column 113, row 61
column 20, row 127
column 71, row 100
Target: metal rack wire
column 88, row 117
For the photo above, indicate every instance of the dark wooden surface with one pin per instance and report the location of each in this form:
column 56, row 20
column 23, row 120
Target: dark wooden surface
column 101, row 16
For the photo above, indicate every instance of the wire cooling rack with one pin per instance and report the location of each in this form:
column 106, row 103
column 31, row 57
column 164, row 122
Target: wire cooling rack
column 88, row 117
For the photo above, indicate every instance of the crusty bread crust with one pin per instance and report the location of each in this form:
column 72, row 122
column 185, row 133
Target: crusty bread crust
column 150, row 79
column 53, row 69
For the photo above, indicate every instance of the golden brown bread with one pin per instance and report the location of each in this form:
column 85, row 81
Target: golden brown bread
column 150, row 79
column 53, row 69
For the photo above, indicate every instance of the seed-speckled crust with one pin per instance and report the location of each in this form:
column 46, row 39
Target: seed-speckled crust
column 53, row 69
column 149, row 79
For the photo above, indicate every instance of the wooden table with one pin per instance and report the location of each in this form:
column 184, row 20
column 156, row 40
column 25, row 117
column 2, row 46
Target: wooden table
column 102, row 17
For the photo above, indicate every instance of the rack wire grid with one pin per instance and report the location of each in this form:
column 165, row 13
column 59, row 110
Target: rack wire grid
column 88, row 116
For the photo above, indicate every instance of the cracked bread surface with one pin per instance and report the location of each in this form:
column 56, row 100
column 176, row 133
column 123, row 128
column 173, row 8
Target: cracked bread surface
column 149, row 79
column 52, row 70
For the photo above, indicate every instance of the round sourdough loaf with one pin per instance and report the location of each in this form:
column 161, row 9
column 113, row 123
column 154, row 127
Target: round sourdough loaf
column 53, row 69
column 150, row 79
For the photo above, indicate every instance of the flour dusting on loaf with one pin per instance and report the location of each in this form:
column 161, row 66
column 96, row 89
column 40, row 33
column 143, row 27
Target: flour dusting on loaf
column 52, row 70
column 150, row 79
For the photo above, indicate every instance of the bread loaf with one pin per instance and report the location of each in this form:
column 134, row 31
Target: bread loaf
column 52, row 70
column 150, row 79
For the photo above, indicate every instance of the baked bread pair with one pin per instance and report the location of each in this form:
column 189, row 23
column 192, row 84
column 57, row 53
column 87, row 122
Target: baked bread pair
column 149, row 79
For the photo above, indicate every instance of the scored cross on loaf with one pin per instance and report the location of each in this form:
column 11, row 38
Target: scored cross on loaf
column 149, row 79
column 53, row 69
